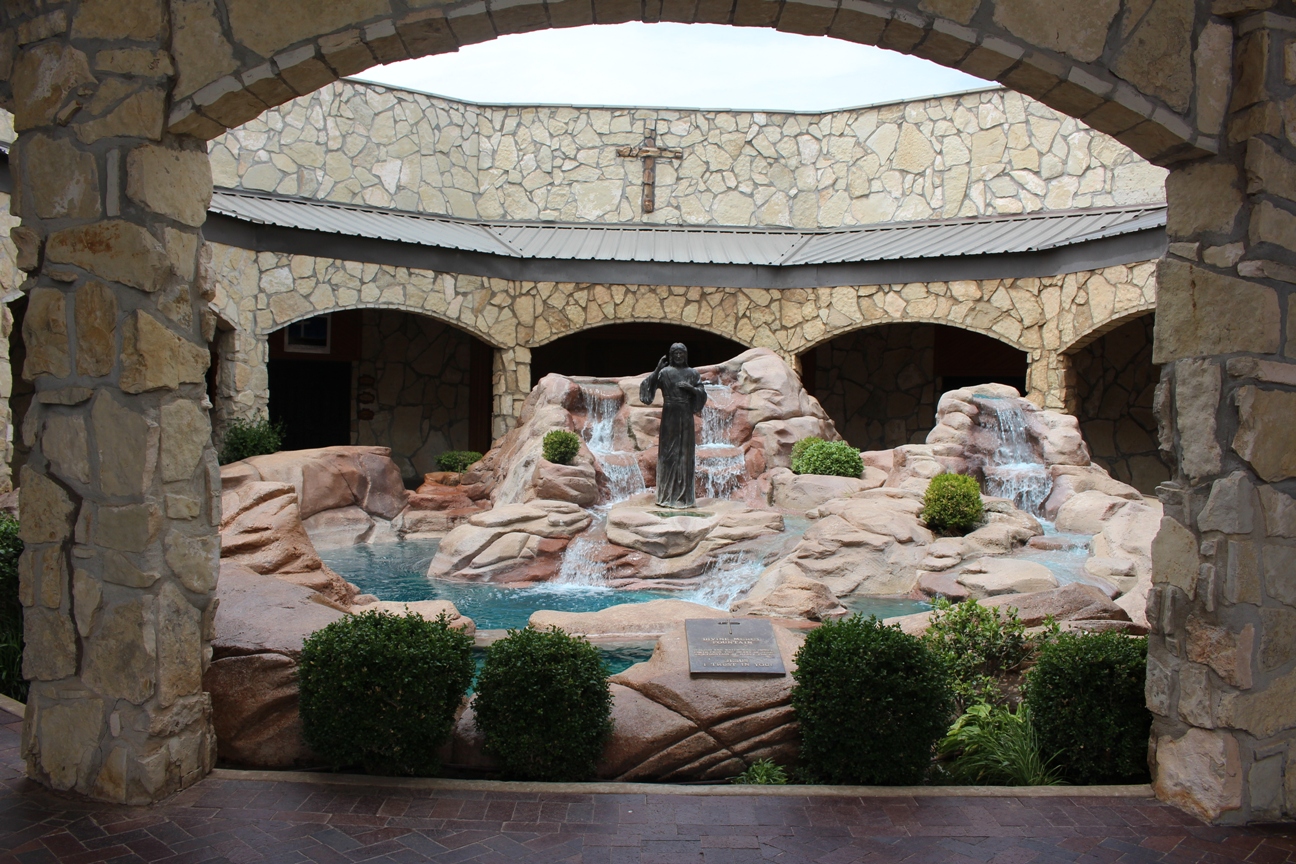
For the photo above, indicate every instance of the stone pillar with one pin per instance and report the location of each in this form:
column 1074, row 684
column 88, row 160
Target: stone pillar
column 121, row 491
column 1222, row 653
column 510, row 384
column 1050, row 383
column 242, row 378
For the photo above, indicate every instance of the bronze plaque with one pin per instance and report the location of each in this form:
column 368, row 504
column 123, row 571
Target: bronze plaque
column 733, row 646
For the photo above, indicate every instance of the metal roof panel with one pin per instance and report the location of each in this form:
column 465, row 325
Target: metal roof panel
column 688, row 244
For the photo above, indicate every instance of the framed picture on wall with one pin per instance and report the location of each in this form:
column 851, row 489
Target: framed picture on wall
column 311, row 336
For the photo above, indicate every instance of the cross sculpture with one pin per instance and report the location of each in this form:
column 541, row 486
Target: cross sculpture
column 650, row 153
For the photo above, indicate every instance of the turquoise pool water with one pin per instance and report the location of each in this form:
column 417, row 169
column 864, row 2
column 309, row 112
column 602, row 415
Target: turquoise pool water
column 398, row 571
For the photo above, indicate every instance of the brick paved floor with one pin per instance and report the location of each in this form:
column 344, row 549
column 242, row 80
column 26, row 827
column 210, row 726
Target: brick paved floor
column 255, row 821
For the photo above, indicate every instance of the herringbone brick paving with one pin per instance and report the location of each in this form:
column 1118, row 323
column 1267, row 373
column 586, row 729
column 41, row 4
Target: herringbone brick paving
column 245, row 821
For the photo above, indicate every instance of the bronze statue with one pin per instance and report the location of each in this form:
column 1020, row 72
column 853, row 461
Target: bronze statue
column 682, row 397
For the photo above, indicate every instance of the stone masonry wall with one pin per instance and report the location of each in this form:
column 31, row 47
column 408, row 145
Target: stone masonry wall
column 988, row 152
column 10, row 280
column 879, row 385
column 419, row 367
column 262, row 292
column 1114, row 395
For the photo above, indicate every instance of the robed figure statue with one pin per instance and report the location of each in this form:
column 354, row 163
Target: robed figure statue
column 682, row 396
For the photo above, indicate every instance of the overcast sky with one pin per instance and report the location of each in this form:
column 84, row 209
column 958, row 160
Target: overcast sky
column 675, row 65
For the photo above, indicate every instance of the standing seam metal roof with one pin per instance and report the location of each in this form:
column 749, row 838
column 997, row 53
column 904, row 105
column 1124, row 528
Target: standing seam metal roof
column 698, row 244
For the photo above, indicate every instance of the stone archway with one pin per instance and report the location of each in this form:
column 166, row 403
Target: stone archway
column 114, row 185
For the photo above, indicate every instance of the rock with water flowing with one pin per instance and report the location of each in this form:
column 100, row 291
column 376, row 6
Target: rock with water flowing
column 511, row 543
column 756, row 410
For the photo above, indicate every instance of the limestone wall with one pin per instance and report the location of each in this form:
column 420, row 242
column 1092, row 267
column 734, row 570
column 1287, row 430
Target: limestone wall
column 262, row 292
column 1114, row 395
column 879, row 385
column 989, row 152
column 420, row 372
column 10, row 278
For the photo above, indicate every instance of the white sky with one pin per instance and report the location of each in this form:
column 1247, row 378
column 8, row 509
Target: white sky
column 675, row 65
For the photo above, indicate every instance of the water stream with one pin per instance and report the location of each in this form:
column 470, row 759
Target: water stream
column 620, row 467
column 1014, row 471
column 721, row 467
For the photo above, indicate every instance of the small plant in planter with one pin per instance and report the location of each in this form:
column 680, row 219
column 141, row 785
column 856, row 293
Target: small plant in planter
column 12, row 683
column 380, row 691
column 992, row 746
column 798, row 452
column 762, row 772
column 872, row 702
column 981, row 647
column 830, row 458
column 1085, row 693
column 458, row 461
column 560, row 446
column 952, row 504
column 543, row 705
column 246, row 438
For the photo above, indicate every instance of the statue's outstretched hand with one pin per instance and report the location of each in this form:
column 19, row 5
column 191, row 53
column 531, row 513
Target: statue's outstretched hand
column 663, row 363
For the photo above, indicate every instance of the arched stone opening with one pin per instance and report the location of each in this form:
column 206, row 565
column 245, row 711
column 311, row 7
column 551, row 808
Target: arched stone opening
column 1114, row 395
column 381, row 376
column 628, row 349
column 880, row 385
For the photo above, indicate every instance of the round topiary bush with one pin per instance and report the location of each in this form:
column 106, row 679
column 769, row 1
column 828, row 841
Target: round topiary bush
column 872, row 703
column 245, row 438
column 543, row 705
column 1085, row 694
column 952, row 504
column 561, row 446
column 832, row 458
column 457, row 460
column 798, row 452
column 380, row 691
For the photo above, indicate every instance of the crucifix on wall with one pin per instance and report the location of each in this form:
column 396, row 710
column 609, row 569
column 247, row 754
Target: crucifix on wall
column 650, row 153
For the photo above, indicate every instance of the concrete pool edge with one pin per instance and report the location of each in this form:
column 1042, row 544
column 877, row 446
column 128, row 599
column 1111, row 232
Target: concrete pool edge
column 1141, row 790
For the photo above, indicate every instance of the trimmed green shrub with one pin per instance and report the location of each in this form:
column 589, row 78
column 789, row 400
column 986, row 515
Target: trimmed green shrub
column 872, row 703
column 1085, row 693
column 457, row 461
column 798, row 451
column 380, row 691
column 11, row 614
column 991, row 746
column 952, row 504
column 831, row 458
column 980, row 645
column 244, row 438
column 561, row 446
column 762, row 772
column 543, row 705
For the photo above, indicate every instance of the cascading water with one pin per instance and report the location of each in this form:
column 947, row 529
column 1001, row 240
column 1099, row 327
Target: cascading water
column 620, row 467
column 579, row 567
column 726, row 578
column 1013, row 470
column 721, row 467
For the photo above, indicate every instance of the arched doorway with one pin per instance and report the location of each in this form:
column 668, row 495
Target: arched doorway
column 381, row 376
column 627, row 349
column 1115, row 382
column 880, row 385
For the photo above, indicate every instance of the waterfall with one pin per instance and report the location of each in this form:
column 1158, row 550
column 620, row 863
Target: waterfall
column 578, row 564
column 1013, row 471
column 620, row 467
column 721, row 467
column 726, row 578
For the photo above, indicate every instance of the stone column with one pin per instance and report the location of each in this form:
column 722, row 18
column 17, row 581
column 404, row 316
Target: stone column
column 121, row 492
column 510, row 384
column 1050, row 383
column 1222, row 654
